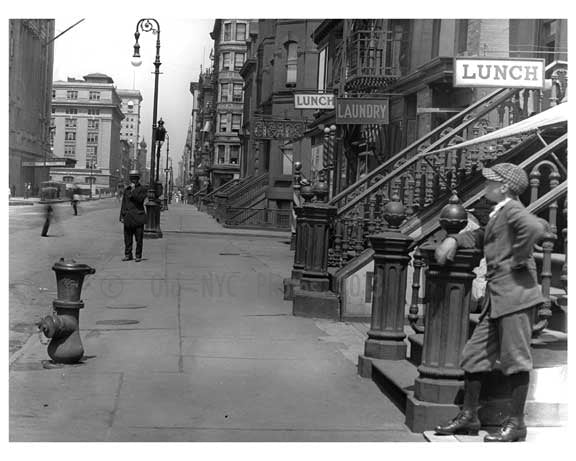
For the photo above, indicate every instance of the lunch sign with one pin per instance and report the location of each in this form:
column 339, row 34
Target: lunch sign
column 498, row 72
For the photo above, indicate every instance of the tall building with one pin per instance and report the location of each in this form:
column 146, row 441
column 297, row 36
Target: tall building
column 229, row 37
column 87, row 116
column 130, row 125
column 31, row 59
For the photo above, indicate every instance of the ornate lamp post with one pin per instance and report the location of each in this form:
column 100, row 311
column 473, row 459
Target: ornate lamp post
column 152, row 228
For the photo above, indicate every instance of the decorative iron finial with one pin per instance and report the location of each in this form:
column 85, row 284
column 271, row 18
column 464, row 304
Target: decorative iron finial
column 394, row 212
column 306, row 191
column 453, row 217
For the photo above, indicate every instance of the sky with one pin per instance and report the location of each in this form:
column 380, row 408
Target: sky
column 98, row 45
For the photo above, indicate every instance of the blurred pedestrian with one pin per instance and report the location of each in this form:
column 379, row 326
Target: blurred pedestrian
column 133, row 215
column 75, row 200
column 48, row 216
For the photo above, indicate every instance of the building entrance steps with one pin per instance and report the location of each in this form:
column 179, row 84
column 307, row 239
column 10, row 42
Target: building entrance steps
column 195, row 343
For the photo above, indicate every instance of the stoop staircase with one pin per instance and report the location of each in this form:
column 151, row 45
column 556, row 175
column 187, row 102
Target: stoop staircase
column 423, row 181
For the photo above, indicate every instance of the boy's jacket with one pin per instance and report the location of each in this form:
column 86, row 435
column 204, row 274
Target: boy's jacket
column 508, row 242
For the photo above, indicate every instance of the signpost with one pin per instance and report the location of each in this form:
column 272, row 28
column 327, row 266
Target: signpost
column 314, row 101
column 498, row 72
column 278, row 129
column 359, row 111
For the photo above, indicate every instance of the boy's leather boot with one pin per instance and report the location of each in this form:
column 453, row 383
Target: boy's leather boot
column 514, row 429
column 466, row 422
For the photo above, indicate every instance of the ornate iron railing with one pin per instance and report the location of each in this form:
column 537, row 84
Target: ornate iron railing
column 261, row 218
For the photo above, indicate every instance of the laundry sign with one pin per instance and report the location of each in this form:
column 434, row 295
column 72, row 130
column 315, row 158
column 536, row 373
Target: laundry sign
column 356, row 111
column 496, row 72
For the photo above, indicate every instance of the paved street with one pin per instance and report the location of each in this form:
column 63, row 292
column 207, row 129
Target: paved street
column 192, row 344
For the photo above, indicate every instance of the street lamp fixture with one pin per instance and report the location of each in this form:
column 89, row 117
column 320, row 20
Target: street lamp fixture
column 152, row 227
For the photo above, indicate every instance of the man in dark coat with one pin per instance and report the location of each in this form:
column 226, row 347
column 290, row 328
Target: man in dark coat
column 133, row 215
column 512, row 293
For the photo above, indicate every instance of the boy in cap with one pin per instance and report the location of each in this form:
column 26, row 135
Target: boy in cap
column 512, row 292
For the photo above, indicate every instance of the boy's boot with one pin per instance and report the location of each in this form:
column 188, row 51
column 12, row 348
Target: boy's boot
column 514, row 429
column 466, row 422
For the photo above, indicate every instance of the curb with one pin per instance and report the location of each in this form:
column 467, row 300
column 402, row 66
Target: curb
column 19, row 203
column 235, row 234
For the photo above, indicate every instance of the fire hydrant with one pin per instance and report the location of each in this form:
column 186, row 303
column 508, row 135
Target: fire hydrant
column 63, row 326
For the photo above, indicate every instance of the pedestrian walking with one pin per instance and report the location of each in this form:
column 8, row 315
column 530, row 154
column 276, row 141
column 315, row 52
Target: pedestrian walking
column 512, row 292
column 133, row 215
column 75, row 200
column 48, row 216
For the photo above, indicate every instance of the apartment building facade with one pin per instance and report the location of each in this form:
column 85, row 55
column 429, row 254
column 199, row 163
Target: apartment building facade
column 31, row 62
column 229, row 37
column 87, row 119
column 131, row 103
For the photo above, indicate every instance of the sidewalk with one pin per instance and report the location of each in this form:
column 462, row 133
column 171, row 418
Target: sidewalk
column 196, row 344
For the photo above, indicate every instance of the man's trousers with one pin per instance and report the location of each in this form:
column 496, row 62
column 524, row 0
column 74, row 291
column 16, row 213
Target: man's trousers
column 138, row 233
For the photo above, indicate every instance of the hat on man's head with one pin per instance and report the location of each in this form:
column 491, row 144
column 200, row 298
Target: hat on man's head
column 134, row 173
column 508, row 173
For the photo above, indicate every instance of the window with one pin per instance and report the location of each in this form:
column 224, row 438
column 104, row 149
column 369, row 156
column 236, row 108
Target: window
column 93, row 111
column 287, row 155
column 322, row 69
column 93, row 123
column 238, row 61
column 224, row 89
column 89, row 179
column 291, row 64
column 70, row 123
column 53, row 110
column 236, row 122
column 436, row 25
column 234, row 154
column 241, row 31
column 71, row 110
column 462, row 35
column 226, row 61
column 70, row 151
column 70, row 136
column 71, row 94
column 223, row 125
column 237, row 92
column 91, row 156
column 227, row 32
column 53, row 93
column 68, row 179
column 92, row 138
column 95, row 95
column 221, row 153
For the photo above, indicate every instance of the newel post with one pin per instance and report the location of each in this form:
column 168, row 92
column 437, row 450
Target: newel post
column 313, row 297
column 437, row 389
column 386, row 337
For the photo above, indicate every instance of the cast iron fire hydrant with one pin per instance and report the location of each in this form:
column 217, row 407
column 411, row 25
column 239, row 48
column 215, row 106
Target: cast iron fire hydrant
column 62, row 327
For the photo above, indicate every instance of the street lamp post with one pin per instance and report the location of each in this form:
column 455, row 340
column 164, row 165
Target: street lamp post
column 92, row 166
column 152, row 227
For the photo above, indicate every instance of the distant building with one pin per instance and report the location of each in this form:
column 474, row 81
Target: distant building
column 31, row 60
column 87, row 116
column 130, row 126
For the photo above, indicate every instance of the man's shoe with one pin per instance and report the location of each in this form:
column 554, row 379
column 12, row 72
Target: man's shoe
column 127, row 258
column 512, row 430
column 465, row 423
column 138, row 260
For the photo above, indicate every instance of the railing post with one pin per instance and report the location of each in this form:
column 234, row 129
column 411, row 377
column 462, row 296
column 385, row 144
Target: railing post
column 313, row 297
column 386, row 337
column 438, row 388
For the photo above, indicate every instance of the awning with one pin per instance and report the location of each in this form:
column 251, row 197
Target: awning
column 552, row 116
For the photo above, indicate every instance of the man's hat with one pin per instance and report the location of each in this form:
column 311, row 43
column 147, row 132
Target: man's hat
column 134, row 173
column 508, row 173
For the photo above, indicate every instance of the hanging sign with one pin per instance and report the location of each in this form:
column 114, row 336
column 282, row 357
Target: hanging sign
column 358, row 111
column 501, row 73
column 314, row 101
column 277, row 129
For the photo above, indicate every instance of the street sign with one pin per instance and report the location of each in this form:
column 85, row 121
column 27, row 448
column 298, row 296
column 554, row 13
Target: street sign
column 357, row 111
column 314, row 101
column 277, row 129
column 498, row 72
